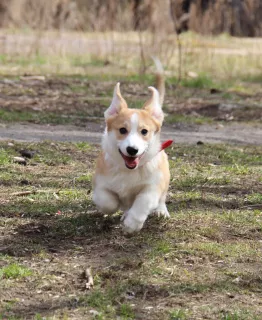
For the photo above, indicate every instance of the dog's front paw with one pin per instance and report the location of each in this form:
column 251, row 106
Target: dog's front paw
column 130, row 224
column 162, row 211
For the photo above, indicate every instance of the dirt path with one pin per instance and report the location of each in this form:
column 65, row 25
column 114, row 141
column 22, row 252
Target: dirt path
column 231, row 133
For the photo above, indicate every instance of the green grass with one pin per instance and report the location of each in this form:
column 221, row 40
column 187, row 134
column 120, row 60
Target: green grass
column 178, row 315
column 181, row 268
column 80, row 61
column 23, row 61
column 202, row 81
column 29, row 116
column 126, row 312
column 85, row 98
column 239, row 251
column 14, row 271
column 188, row 119
column 4, row 157
column 202, row 263
column 107, row 304
column 40, row 117
column 83, row 146
column 253, row 78
column 239, row 315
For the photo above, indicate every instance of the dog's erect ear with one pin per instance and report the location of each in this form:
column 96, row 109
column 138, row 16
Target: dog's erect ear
column 153, row 105
column 118, row 103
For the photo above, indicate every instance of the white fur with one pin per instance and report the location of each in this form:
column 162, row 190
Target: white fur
column 110, row 145
column 133, row 139
column 134, row 191
column 116, row 104
column 154, row 105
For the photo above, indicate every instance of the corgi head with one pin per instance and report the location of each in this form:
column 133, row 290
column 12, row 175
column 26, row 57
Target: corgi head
column 132, row 135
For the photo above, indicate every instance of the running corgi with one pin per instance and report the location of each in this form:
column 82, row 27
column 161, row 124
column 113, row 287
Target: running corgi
column 132, row 171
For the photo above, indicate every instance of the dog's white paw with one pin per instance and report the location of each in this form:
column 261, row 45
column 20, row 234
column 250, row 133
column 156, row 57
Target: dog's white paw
column 161, row 211
column 130, row 224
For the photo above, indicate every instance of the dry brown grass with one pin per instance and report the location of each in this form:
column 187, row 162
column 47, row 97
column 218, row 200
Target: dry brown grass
column 219, row 58
column 238, row 18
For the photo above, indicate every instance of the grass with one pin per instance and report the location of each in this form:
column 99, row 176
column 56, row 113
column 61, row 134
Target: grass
column 107, row 306
column 239, row 315
column 202, row 263
column 14, row 271
column 77, row 87
column 4, row 158
column 178, row 315
column 202, row 81
column 84, row 100
column 28, row 116
column 187, row 119
column 221, row 60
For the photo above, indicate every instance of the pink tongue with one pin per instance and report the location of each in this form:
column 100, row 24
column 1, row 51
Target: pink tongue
column 131, row 162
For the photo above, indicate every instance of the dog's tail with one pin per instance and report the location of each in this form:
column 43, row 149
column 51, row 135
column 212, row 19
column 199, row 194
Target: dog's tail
column 160, row 79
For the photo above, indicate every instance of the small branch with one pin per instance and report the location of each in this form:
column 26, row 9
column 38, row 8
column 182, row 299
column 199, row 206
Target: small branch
column 179, row 48
column 25, row 193
column 56, row 196
column 252, row 206
column 179, row 58
column 142, row 54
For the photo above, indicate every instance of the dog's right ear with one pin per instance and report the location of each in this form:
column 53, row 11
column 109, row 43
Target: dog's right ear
column 118, row 103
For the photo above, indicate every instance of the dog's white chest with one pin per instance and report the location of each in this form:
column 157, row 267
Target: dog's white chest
column 128, row 184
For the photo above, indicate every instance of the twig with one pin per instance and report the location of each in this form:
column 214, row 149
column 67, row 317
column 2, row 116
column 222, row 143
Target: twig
column 254, row 206
column 179, row 49
column 179, row 58
column 56, row 196
column 25, row 193
column 142, row 54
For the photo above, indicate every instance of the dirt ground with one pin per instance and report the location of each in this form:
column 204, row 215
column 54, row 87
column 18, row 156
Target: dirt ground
column 234, row 133
column 71, row 109
column 204, row 263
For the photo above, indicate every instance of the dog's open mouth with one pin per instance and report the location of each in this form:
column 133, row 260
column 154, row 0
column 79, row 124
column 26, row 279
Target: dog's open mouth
column 131, row 162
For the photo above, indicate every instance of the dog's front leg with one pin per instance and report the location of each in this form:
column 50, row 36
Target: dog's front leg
column 143, row 205
column 106, row 201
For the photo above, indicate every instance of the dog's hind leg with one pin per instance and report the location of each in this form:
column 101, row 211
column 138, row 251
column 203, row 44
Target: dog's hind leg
column 106, row 201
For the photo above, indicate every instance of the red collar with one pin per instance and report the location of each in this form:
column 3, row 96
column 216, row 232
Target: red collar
column 166, row 144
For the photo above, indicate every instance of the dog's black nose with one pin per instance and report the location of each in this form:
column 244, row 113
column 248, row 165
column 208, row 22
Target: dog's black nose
column 131, row 151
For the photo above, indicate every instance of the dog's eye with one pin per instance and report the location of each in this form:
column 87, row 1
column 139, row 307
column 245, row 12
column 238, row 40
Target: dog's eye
column 123, row 130
column 144, row 132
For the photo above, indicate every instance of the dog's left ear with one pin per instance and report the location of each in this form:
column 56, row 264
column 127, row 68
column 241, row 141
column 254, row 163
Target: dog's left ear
column 118, row 103
column 153, row 105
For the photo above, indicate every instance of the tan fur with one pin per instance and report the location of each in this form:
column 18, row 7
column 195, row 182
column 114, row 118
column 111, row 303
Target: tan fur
column 101, row 166
column 164, row 168
column 160, row 85
column 122, row 120
column 137, row 184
